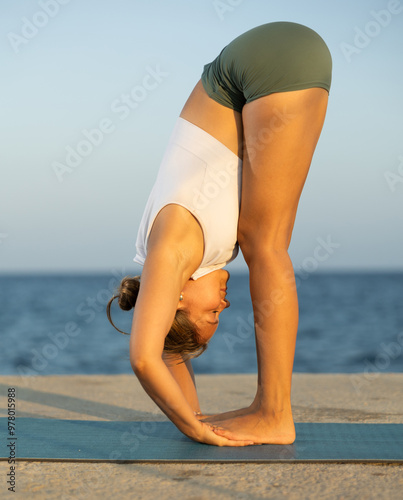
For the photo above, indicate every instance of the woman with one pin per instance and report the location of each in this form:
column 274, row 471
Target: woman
column 257, row 112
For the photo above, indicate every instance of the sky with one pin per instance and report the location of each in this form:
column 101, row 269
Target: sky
column 78, row 162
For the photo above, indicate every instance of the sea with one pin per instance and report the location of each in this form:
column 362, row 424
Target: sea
column 56, row 324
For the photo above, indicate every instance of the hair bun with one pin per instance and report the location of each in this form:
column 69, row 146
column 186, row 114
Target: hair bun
column 126, row 295
column 128, row 292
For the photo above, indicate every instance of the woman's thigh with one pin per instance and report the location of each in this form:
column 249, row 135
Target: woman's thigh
column 281, row 131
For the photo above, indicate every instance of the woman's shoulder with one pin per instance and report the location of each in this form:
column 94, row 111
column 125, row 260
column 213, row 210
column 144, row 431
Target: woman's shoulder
column 176, row 230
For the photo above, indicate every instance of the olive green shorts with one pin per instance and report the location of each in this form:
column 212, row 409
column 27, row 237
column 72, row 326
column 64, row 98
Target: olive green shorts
column 274, row 57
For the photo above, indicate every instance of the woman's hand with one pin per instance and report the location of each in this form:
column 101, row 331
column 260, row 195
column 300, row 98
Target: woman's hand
column 204, row 433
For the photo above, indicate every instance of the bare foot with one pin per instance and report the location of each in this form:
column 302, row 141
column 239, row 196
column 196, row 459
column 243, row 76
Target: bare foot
column 219, row 417
column 259, row 428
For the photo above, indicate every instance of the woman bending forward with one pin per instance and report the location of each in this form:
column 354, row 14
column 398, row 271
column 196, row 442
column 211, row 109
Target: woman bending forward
column 253, row 120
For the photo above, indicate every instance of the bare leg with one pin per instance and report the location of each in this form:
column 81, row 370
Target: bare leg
column 281, row 132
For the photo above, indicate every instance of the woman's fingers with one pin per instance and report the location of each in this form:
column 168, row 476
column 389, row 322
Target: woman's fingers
column 225, row 433
column 229, row 442
column 224, row 441
column 210, row 437
column 232, row 435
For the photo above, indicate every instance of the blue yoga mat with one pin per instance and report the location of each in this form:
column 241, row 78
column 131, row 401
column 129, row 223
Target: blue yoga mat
column 52, row 439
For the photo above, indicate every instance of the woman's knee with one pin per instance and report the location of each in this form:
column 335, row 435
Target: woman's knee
column 255, row 248
column 263, row 239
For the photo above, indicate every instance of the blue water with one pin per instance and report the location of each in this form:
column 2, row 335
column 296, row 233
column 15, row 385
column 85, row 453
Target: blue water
column 349, row 323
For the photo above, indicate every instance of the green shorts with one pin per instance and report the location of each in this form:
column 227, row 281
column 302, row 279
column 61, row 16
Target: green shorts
column 274, row 57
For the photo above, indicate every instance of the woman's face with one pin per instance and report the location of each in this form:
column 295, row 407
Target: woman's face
column 204, row 298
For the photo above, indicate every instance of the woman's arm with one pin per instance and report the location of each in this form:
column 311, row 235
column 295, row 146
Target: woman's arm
column 182, row 372
column 184, row 376
column 174, row 252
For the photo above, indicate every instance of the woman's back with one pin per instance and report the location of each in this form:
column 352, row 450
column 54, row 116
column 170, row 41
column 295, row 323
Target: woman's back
column 204, row 177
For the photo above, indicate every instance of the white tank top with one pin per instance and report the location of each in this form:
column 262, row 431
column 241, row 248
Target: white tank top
column 202, row 175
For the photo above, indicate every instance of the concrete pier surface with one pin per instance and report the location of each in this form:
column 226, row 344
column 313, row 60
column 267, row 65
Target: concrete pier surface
column 354, row 398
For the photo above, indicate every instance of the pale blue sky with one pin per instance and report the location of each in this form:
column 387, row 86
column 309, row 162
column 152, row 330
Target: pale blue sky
column 71, row 73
